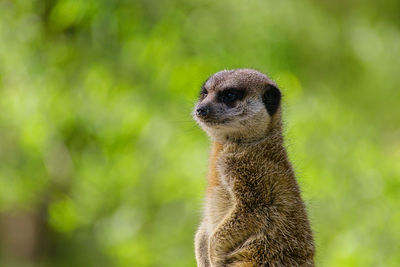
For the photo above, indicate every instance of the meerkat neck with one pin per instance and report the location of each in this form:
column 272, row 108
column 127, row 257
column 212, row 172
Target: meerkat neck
column 269, row 147
column 254, row 134
column 213, row 179
column 271, row 135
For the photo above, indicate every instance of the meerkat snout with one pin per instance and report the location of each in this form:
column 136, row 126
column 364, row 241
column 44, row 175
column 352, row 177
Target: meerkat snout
column 237, row 104
column 203, row 111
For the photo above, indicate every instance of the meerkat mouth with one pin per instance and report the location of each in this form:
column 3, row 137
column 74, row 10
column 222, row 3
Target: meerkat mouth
column 215, row 122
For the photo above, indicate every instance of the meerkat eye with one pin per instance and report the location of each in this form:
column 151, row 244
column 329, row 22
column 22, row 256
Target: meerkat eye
column 203, row 93
column 231, row 95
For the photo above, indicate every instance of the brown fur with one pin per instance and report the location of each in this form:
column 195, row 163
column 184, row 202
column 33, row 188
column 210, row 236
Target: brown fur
column 213, row 179
column 254, row 214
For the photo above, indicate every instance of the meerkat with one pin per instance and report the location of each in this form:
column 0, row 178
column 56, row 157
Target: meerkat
column 254, row 214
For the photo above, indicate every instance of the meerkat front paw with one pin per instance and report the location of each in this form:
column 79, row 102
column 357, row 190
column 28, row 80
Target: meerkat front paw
column 215, row 251
column 242, row 264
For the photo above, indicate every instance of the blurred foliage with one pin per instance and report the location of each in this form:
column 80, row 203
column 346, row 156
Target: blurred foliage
column 101, row 164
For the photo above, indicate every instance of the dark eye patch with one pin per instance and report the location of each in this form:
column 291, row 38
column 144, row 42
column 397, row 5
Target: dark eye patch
column 230, row 96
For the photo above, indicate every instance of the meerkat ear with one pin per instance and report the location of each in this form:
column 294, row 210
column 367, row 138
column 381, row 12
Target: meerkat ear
column 271, row 98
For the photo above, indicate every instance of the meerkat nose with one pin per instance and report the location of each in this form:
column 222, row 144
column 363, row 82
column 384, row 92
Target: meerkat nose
column 202, row 111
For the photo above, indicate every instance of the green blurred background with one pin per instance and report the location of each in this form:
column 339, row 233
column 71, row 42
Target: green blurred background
column 102, row 165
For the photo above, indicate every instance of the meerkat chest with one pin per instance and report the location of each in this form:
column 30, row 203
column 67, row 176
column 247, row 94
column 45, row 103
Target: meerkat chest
column 219, row 203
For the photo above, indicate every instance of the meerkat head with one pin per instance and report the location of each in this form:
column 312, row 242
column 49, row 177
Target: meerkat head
column 238, row 105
